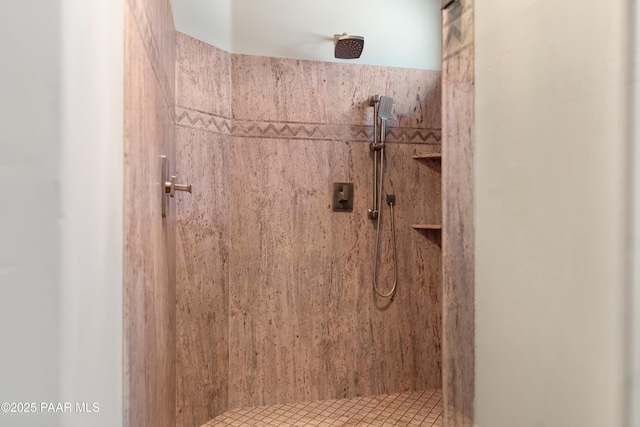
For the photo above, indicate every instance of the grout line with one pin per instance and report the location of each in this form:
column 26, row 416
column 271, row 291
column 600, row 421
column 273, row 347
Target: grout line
column 328, row 413
column 390, row 416
column 422, row 406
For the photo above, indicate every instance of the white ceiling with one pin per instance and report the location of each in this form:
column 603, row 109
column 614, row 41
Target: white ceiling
column 398, row 33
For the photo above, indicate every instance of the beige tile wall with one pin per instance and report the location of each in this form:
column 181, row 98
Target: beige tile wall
column 149, row 252
column 458, row 235
column 303, row 323
column 202, row 154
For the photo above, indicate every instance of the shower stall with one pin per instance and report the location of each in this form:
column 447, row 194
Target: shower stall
column 252, row 292
column 275, row 296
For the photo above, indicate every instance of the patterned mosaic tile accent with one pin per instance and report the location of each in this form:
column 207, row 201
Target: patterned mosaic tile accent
column 202, row 120
column 309, row 131
column 422, row 408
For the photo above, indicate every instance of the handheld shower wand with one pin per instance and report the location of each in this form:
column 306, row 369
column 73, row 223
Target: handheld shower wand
column 384, row 113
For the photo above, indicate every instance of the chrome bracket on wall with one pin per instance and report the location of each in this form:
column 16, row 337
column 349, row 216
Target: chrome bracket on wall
column 168, row 186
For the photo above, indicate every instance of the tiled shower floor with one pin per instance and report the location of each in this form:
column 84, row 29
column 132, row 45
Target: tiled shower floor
column 421, row 408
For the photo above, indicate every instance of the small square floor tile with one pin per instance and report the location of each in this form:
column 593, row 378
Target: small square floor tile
column 423, row 408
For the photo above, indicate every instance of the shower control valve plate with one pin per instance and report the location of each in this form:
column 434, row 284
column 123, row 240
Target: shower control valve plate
column 342, row 200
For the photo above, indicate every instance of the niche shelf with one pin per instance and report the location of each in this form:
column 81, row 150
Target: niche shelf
column 431, row 156
column 427, row 226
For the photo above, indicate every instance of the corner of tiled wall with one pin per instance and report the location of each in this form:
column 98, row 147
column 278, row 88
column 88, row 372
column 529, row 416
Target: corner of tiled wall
column 458, row 235
column 149, row 247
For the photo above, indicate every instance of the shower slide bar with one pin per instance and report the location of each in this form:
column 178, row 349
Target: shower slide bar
column 382, row 106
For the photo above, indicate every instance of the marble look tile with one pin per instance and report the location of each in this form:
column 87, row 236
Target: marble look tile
column 203, row 133
column 154, row 21
column 417, row 186
column 303, row 321
column 164, row 34
column 203, row 77
column 291, row 90
column 454, row 418
column 202, row 276
column 458, row 28
column 458, row 238
column 149, row 243
column 454, row 10
column 304, row 324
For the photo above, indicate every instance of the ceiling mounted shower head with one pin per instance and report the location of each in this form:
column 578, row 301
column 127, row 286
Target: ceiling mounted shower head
column 348, row 47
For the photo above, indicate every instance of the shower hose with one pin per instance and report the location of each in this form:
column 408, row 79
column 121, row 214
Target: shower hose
column 393, row 237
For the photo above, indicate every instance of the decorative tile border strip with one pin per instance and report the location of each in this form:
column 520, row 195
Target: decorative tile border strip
column 414, row 135
column 304, row 131
column 310, row 131
column 203, row 121
column 328, row 132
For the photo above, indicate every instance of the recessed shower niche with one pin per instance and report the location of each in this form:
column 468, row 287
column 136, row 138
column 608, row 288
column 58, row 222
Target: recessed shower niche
column 432, row 222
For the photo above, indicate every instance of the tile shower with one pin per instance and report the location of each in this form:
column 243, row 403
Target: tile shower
column 274, row 295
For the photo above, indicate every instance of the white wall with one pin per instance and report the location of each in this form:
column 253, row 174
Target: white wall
column 61, row 108
column 634, row 330
column 91, row 177
column 550, row 169
column 400, row 33
column 209, row 21
column 30, row 208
